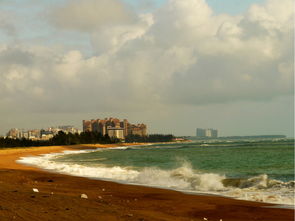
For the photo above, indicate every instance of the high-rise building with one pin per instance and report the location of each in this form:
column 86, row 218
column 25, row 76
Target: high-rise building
column 87, row 126
column 116, row 132
column 206, row 133
column 139, row 129
column 114, row 127
column 214, row 133
column 201, row 132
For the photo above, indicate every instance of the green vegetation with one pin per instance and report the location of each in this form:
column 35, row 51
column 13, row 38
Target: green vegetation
column 9, row 142
column 152, row 138
column 60, row 139
column 83, row 138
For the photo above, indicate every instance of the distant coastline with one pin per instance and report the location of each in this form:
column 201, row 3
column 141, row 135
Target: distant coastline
column 255, row 137
column 242, row 137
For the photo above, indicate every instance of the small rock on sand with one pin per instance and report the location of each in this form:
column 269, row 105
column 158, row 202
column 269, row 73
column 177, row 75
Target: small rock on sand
column 84, row 196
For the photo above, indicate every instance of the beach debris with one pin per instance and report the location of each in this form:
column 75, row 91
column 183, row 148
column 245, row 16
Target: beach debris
column 220, row 220
column 35, row 190
column 84, row 196
column 100, row 197
column 205, row 218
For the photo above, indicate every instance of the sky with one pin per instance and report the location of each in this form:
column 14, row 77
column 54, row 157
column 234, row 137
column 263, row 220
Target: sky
column 176, row 65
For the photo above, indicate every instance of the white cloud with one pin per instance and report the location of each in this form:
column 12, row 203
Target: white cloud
column 112, row 38
column 182, row 53
column 274, row 16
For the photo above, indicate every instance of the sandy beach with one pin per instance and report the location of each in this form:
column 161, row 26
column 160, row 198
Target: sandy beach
column 59, row 197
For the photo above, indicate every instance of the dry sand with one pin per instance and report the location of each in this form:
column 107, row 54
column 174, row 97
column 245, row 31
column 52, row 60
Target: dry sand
column 59, row 197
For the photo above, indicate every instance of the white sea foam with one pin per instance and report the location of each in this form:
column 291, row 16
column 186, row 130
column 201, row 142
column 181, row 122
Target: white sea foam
column 183, row 178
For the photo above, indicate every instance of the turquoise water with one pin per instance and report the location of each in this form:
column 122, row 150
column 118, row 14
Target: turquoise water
column 236, row 160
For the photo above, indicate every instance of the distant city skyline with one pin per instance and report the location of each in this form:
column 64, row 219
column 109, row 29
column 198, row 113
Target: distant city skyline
column 170, row 64
column 114, row 127
column 39, row 134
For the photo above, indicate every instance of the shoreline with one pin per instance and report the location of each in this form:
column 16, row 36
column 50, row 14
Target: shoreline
column 14, row 153
column 120, row 201
column 191, row 192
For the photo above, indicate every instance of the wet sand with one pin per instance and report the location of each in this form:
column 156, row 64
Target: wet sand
column 59, row 197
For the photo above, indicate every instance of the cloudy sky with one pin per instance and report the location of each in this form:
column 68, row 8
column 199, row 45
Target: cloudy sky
column 173, row 64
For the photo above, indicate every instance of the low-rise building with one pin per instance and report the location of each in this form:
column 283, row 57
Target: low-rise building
column 43, row 134
column 14, row 133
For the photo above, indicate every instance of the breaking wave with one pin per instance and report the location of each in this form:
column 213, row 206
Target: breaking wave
column 184, row 178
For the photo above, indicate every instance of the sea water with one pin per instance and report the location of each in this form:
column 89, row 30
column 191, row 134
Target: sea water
column 256, row 170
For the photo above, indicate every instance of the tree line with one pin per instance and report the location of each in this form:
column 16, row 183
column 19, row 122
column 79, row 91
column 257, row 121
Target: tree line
column 152, row 138
column 83, row 138
column 61, row 138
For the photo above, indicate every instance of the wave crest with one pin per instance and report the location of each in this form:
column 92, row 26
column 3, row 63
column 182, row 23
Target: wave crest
column 184, row 178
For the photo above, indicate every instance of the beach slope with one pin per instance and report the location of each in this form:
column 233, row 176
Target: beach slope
column 59, row 197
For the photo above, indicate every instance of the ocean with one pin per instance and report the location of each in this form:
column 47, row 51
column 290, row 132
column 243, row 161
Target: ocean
column 255, row 170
